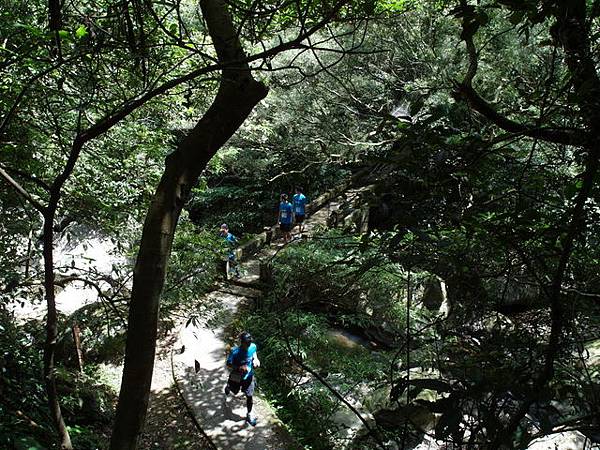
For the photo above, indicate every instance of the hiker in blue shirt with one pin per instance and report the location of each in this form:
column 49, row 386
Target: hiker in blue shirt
column 285, row 218
column 241, row 362
column 232, row 243
column 299, row 200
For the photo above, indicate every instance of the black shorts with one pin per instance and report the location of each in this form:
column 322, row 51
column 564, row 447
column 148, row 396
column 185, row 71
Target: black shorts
column 299, row 218
column 247, row 386
column 285, row 227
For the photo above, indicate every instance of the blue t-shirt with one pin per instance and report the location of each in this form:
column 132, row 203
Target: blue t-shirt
column 239, row 357
column 231, row 239
column 285, row 212
column 299, row 203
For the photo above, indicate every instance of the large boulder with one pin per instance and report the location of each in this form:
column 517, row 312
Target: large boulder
column 515, row 294
column 419, row 416
column 435, row 296
column 568, row 440
column 389, row 413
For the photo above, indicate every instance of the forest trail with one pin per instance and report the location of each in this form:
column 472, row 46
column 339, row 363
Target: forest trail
column 200, row 352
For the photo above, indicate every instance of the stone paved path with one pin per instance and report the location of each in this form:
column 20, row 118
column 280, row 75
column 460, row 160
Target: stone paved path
column 199, row 364
column 203, row 347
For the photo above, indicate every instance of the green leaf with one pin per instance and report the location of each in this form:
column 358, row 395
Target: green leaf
column 81, row 32
column 35, row 31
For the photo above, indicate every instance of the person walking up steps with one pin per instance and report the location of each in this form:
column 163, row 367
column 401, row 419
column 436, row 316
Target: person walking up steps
column 299, row 200
column 285, row 218
column 241, row 362
column 232, row 243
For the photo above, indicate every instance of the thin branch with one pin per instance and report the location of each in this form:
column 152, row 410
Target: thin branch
column 583, row 294
column 556, row 135
column 296, row 172
column 26, row 195
column 29, row 177
column 110, row 120
column 28, row 84
column 63, row 281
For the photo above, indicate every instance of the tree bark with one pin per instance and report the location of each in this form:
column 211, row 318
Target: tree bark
column 238, row 94
column 77, row 341
column 51, row 328
column 55, row 24
column 49, row 214
column 54, row 15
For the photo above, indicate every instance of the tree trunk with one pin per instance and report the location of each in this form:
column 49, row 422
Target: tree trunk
column 78, row 351
column 238, row 94
column 51, row 330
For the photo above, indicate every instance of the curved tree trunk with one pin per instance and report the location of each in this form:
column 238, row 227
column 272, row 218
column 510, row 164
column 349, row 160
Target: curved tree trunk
column 238, row 94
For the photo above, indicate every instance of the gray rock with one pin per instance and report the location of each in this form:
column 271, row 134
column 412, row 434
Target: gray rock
column 434, row 295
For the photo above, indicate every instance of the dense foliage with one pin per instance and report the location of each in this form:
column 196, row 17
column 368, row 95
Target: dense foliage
column 469, row 132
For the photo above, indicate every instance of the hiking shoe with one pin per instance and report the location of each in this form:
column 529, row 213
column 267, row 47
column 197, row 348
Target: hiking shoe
column 251, row 420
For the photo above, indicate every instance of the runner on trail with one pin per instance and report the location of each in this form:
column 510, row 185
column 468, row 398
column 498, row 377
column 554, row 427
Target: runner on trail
column 285, row 218
column 241, row 362
column 299, row 200
column 232, row 243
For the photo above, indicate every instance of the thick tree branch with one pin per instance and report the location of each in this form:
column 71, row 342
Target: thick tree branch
column 112, row 119
column 573, row 36
column 54, row 15
column 59, row 181
column 55, row 25
column 555, row 135
column 237, row 95
column 464, row 91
